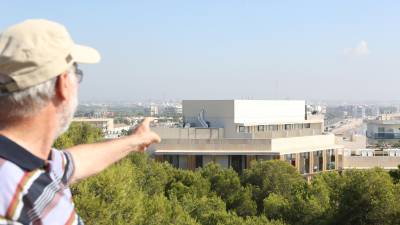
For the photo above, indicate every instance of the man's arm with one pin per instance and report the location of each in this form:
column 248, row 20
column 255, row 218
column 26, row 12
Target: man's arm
column 90, row 159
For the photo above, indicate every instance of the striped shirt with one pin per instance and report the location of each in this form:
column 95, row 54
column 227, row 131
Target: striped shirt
column 35, row 191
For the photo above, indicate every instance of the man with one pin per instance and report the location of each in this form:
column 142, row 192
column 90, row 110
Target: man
column 39, row 80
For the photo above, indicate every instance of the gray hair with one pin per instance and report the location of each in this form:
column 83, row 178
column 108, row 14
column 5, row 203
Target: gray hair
column 28, row 102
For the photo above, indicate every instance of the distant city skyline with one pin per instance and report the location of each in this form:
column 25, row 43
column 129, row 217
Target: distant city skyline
column 333, row 51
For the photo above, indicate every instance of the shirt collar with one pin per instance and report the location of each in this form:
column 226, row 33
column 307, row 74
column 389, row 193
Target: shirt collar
column 11, row 151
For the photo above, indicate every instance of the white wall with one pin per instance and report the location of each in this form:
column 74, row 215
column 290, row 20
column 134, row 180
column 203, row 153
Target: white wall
column 253, row 112
column 228, row 113
column 303, row 144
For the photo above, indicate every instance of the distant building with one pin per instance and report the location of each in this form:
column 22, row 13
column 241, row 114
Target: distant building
column 105, row 124
column 172, row 111
column 384, row 129
column 152, row 110
column 235, row 132
column 118, row 131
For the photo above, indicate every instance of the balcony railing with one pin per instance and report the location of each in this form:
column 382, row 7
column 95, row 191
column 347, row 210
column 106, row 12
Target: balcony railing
column 214, row 144
column 383, row 135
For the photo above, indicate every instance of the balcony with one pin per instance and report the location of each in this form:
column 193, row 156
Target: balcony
column 222, row 145
column 383, row 135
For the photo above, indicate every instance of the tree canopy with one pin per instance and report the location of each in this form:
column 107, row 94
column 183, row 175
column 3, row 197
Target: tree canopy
column 138, row 190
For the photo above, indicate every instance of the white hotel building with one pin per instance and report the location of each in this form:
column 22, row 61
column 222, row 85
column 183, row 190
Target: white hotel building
column 235, row 132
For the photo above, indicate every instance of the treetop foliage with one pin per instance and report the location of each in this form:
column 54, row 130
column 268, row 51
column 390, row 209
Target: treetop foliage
column 138, row 190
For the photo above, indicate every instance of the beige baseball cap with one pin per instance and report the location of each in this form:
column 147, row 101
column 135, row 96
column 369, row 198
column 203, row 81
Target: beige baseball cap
column 37, row 50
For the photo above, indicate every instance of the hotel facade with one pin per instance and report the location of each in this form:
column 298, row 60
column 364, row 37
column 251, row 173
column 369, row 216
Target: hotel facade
column 233, row 133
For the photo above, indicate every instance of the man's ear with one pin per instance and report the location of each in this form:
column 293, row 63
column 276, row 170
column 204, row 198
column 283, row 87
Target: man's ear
column 63, row 87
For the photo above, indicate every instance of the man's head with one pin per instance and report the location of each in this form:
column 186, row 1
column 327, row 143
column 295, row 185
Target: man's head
column 38, row 67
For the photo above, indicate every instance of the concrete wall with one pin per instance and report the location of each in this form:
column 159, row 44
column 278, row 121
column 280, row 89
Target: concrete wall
column 189, row 133
column 364, row 162
column 303, row 144
column 213, row 144
column 219, row 113
column 286, row 133
column 353, row 143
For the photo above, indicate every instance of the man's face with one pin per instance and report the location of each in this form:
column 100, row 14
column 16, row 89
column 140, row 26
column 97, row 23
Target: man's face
column 68, row 108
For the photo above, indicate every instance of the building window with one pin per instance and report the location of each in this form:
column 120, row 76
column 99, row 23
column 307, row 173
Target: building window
column 183, row 161
column 237, row 162
column 330, row 159
column 318, row 161
column 173, row 160
column 199, row 161
column 307, row 125
column 290, row 158
column 242, row 129
column 304, row 162
column 261, row 128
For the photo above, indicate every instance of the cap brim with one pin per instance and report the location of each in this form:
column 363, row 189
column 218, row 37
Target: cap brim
column 85, row 54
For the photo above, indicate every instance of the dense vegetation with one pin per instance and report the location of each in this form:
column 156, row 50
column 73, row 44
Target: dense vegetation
column 138, row 190
column 78, row 133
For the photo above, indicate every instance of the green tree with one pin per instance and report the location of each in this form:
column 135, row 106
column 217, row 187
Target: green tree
column 395, row 174
column 112, row 197
column 152, row 177
column 226, row 184
column 78, row 133
column 367, row 197
column 139, row 190
column 160, row 210
column 274, row 176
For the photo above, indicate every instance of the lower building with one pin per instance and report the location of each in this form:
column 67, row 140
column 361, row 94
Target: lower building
column 191, row 148
column 369, row 158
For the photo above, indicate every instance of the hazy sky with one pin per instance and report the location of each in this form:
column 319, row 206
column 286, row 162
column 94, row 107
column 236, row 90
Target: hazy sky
column 231, row 49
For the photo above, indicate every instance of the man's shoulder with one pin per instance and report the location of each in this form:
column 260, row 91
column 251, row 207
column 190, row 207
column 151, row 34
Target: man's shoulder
column 10, row 170
column 11, row 177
